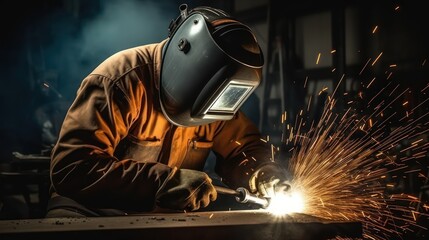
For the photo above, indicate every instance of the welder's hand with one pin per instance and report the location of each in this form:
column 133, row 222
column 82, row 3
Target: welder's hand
column 186, row 189
column 269, row 180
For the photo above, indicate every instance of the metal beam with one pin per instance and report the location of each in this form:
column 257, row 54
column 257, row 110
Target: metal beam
column 242, row 224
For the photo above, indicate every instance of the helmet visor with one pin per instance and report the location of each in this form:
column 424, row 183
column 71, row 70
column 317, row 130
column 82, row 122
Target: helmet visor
column 230, row 98
column 224, row 102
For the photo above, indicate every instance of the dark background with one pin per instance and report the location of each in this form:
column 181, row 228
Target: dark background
column 48, row 46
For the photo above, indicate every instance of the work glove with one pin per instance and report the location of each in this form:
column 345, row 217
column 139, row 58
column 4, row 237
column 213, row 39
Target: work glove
column 269, row 179
column 186, row 189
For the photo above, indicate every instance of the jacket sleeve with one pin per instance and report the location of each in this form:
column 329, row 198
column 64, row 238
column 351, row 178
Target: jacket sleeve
column 83, row 165
column 240, row 150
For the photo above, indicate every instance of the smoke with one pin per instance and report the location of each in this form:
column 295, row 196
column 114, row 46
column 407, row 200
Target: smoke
column 123, row 24
column 118, row 25
column 60, row 43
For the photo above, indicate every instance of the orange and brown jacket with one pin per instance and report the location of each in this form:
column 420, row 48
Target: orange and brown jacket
column 115, row 147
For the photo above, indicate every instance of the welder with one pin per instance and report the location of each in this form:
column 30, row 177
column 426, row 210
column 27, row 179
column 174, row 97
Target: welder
column 138, row 133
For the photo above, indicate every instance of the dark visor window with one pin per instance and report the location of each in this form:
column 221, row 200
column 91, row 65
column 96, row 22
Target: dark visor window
column 230, row 98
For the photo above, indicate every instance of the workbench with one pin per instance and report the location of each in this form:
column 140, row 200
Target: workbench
column 219, row 225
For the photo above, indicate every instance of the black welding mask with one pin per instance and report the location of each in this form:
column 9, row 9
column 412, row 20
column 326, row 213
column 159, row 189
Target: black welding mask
column 211, row 64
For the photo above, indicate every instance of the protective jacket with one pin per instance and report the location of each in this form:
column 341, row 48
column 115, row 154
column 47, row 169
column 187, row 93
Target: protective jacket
column 115, row 147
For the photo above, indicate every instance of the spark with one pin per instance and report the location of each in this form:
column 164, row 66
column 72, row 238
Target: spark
column 346, row 166
column 309, row 103
column 389, row 76
column 414, row 143
column 243, row 162
column 305, row 82
column 375, row 29
column 369, row 84
column 412, row 171
column 48, row 85
column 284, row 116
column 376, row 59
column 366, row 64
column 318, row 58
column 272, row 152
column 323, row 90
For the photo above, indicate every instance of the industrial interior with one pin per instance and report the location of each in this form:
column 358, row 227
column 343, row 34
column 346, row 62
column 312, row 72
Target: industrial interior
column 340, row 78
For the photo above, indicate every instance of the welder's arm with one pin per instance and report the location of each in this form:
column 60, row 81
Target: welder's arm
column 244, row 160
column 83, row 166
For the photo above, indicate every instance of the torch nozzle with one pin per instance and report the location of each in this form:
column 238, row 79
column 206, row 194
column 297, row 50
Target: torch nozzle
column 246, row 196
column 242, row 195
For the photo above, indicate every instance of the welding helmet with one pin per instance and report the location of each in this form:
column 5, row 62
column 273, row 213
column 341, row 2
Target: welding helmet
column 211, row 64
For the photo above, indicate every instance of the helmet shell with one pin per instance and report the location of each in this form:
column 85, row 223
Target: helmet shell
column 210, row 65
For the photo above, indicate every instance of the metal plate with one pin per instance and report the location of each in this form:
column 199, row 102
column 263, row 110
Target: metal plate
column 219, row 225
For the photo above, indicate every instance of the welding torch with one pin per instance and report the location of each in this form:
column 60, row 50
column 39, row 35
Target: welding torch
column 242, row 195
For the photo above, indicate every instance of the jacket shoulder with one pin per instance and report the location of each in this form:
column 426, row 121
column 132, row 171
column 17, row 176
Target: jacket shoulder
column 122, row 62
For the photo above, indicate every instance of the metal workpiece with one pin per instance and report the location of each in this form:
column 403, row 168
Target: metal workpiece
column 243, row 224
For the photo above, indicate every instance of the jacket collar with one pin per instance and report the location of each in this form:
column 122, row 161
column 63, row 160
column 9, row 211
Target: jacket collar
column 158, row 62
